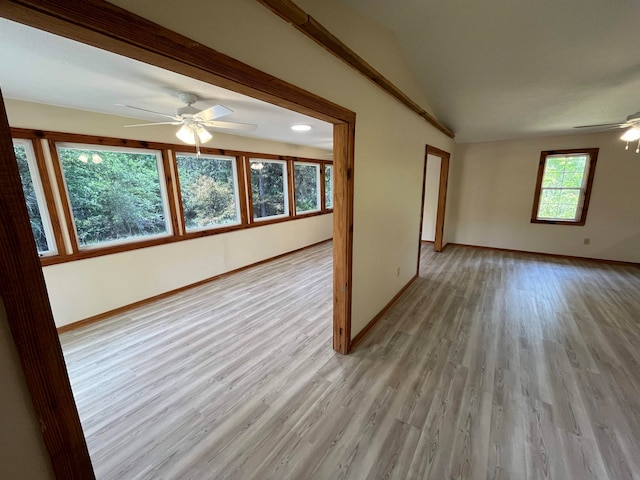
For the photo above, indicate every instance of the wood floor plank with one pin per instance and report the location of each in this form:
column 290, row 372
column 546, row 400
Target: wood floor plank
column 492, row 365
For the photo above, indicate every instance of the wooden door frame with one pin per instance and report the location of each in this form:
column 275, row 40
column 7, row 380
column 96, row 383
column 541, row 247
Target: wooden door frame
column 106, row 26
column 445, row 158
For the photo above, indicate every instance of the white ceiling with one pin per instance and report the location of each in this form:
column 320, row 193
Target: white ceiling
column 39, row 67
column 497, row 69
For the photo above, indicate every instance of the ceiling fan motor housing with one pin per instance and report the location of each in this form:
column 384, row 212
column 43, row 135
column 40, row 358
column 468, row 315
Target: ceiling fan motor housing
column 188, row 99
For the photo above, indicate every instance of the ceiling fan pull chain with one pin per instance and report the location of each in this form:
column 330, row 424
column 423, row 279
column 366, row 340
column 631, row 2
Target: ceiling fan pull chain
column 638, row 148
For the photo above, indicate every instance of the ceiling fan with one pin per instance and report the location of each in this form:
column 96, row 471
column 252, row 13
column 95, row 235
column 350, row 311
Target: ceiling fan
column 193, row 122
column 632, row 124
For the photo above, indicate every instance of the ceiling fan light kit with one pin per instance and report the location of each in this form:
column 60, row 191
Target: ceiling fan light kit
column 188, row 132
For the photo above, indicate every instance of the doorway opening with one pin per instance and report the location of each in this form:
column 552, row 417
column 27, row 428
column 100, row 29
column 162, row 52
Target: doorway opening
column 434, row 198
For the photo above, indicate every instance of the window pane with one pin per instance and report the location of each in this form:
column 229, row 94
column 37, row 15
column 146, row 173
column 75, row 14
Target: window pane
column 550, row 196
column 36, row 205
column 269, row 188
column 306, row 183
column 567, row 212
column 552, row 179
column 328, row 186
column 209, row 191
column 114, row 194
column 562, row 184
column 570, row 197
column 575, row 163
column 572, row 180
column 548, row 210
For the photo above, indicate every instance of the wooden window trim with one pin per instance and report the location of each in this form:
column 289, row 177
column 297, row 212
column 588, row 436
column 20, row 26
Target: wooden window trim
column 45, row 181
column 169, row 153
column 241, row 196
column 107, row 26
column 170, row 185
column 324, row 187
column 287, row 162
column 321, row 188
column 242, row 190
column 66, row 204
column 127, row 244
column 323, row 192
column 177, row 194
column 593, row 158
column 291, row 188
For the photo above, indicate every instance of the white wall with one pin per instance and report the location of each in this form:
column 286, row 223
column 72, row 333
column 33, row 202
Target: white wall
column 492, row 186
column 390, row 139
column 84, row 288
column 81, row 289
column 23, row 455
column 432, row 187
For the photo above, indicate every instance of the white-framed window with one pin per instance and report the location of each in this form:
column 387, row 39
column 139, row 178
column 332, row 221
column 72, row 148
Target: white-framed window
column 564, row 184
column 116, row 194
column 269, row 188
column 328, row 186
column 34, row 197
column 209, row 189
column 307, row 187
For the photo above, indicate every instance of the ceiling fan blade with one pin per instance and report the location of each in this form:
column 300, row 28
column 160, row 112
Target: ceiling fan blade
column 229, row 125
column 621, row 125
column 216, row 111
column 150, row 111
column 157, row 123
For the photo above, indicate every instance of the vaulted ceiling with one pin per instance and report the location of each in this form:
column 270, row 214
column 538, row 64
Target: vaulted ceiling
column 498, row 69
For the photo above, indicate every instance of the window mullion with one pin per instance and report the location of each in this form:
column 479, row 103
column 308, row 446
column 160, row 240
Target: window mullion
column 244, row 193
column 52, row 209
column 291, row 188
column 170, row 184
column 64, row 197
column 322, row 188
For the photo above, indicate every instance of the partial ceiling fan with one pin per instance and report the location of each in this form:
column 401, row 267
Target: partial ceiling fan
column 193, row 122
column 632, row 124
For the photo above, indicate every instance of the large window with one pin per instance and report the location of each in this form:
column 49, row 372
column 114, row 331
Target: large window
column 116, row 194
column 328, row 186
column 563, row 188
column 34, row 196
column 209, row 190
column 269, row 188
column 307, row 184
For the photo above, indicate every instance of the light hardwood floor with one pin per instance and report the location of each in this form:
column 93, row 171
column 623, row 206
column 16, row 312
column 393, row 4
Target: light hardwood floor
column 492, row 365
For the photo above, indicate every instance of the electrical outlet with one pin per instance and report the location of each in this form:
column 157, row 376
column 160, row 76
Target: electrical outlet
column 587, row 241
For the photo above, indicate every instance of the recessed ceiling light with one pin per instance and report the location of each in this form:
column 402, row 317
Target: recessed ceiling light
column 300, row 128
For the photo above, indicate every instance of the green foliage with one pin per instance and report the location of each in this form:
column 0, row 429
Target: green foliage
column 564, row 171
column 117, row 198
column 306, row 183
column 208, row 191
column 268, row 189
column 31, row 199
column 328, row 186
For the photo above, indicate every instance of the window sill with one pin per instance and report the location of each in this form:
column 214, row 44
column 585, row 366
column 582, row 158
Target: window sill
column 558, row 222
